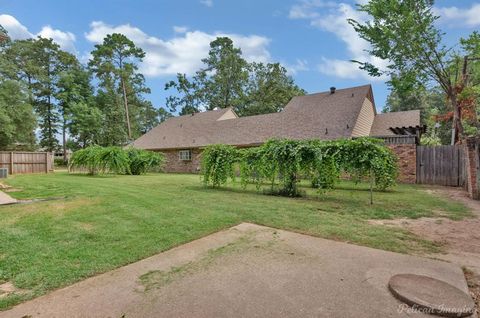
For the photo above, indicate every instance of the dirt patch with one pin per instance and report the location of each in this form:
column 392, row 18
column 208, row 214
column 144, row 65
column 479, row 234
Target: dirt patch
column 7, row 188
column 85, row 226
column 457, row 236
column 13, row 213
column 8, row 289
column 460, row 239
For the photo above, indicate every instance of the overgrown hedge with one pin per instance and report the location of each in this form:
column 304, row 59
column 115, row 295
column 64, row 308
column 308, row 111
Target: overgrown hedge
column 99, row 160
column 285, row 162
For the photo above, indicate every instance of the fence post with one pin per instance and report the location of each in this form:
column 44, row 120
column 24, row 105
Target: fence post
column 46, row 162
column 11, row 162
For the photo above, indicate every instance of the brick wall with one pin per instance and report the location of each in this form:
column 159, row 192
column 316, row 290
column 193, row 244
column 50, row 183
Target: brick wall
column 406, row 154
column 407, row 161
column 174, row 164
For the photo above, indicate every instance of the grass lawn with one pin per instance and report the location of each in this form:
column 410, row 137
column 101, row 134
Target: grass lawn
column 100, row 223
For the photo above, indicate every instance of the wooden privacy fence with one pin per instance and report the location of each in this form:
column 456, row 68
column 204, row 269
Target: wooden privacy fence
column 26, row 162
column 442, row 165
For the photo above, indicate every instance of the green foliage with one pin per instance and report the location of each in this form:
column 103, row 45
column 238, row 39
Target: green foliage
column 88, row 158
column 405, row 35
column 286, row 161
column 114, row 159
column 430, row 140
column 121, row 88
column 59, row 163
column 218, row 164
column 17, row 120
column 269, row 88
column 228, row 80
column 141, row 161
column 96, row 159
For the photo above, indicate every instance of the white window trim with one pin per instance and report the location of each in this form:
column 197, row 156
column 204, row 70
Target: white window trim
column 185, row 155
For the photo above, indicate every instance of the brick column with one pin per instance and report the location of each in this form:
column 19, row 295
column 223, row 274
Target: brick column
column 407, row 161
column 471, row 164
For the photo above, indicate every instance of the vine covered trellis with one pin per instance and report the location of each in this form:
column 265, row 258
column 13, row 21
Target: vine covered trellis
column 283, row 163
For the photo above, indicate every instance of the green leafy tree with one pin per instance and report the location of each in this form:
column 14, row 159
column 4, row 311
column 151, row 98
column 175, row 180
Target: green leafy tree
column 85, row 123
column 17, row 120
column 471, row 47
column 3, row 35
column 268, row 90
column 227, row 80
column 224, row 87
column 115, row 63
column 163, row 114
column 219, row 84
column 46, row 53
column 188, row 97
column 73, row 89
column 404, row 33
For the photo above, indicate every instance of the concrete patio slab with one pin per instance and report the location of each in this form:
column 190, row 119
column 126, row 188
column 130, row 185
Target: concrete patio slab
column 247, row 271
column 6, row 199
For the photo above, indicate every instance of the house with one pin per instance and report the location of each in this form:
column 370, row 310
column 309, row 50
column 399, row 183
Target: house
column 342, row 113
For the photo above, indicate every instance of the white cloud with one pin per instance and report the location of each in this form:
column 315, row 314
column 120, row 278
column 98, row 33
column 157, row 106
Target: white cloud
column 182, row 53
column 300, row 65
column 207, row 3
column 66, row 40
column 455, row 16
column 180, row 29
column 15, row 29
column 18, row 31
column 333, row 18
column 306, row 9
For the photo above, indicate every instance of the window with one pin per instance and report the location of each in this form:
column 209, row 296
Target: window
column 185, row 155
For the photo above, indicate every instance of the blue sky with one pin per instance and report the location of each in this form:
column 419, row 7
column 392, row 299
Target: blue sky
column 310, row 37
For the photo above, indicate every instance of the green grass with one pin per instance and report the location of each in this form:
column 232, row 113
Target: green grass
column 100, row 223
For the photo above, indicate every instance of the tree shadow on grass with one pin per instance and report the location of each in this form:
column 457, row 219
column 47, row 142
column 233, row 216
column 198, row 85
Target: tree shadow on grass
column 331, row 196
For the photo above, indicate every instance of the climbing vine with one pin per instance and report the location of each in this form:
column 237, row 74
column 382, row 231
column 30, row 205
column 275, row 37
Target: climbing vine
column 218, row 164
column 283, row 163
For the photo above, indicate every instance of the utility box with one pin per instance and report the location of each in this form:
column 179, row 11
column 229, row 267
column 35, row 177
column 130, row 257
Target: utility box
column 3, row 173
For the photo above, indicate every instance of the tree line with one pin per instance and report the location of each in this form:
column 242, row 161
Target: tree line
column 52, row 101
column 47, row 92
column 228, row 80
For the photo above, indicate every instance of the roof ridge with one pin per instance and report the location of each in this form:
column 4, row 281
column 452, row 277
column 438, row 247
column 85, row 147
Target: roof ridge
column 337, row 90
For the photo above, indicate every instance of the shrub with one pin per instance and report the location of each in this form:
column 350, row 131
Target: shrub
column 59, row 162
column 141, row 161
column 114, row 159
column 88, row 158
column 96, row 159
column 218, row 164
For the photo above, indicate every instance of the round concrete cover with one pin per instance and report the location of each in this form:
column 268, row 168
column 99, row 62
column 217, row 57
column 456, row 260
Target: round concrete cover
column 431, row 295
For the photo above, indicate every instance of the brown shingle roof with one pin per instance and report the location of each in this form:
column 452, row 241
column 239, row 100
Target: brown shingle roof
column 321, row 115
column 383, row 122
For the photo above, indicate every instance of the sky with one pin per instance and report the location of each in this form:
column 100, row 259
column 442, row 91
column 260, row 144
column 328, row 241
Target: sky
column 311, row 38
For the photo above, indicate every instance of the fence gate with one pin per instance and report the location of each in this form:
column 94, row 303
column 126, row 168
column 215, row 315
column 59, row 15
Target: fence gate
column 442, row 165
